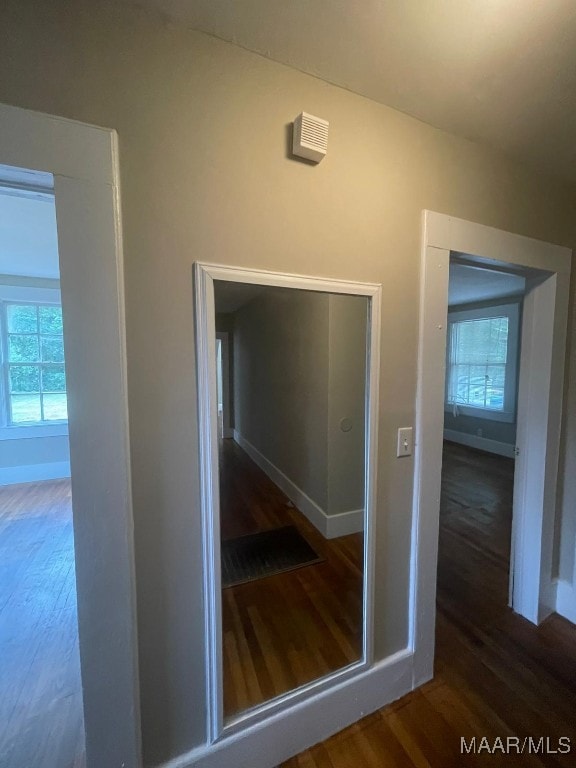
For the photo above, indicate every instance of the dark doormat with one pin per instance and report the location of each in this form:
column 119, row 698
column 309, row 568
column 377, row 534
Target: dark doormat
column 257, row 555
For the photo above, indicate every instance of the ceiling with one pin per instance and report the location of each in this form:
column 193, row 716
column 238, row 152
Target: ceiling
column 28, row 234
column 468, row 283
column 501, row 72
column 230, row 297
column 471, row 283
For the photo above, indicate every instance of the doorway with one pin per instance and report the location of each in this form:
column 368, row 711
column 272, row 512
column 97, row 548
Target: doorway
column 543, row 335
column 83, row 162
column 41, row 694
column 479, row 440
column 224, row 384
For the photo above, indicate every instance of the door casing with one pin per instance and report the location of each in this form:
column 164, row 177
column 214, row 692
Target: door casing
column 544, row 325
column 83, row 160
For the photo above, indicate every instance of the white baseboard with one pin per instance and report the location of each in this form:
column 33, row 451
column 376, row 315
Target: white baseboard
column 300, row 726
column 32, row 473
column 482, row 443
column 343, row 523
column 566, row 600
column 330, row 526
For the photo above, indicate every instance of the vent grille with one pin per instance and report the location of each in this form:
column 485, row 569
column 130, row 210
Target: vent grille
column 310, row 137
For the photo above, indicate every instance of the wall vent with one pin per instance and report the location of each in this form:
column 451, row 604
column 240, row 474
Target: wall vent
column 310, row 137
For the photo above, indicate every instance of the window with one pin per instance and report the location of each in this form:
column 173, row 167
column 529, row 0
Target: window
column 482, row 358
column 33, row 354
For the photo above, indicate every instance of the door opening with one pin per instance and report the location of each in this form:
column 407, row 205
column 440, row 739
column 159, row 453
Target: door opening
column 224, row 384
column 41, row 710
column 82, row 160
column 483, row 348
column 546, row 270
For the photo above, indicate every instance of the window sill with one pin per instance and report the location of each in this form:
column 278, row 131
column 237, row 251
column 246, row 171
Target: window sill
column 481, row 413
column 33, row 431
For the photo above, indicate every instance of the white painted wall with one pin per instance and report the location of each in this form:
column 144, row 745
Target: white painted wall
column 31, row 459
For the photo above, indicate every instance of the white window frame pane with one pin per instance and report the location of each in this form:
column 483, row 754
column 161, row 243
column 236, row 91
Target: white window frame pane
column 15, row 422
column 510, row 310
column 5, row 390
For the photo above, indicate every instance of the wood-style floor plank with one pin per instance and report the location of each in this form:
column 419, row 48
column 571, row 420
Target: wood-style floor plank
column 41, row 720
column 496, row 675
column 283, row 631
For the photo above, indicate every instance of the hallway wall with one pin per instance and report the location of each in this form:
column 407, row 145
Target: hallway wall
column 206, row 174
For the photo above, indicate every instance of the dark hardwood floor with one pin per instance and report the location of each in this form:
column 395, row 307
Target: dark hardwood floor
column 496, row 674
column 282, row 631
column 41, row 720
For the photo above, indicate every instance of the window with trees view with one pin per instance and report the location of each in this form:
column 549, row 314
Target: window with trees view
column 34, row 363
column 482, row 354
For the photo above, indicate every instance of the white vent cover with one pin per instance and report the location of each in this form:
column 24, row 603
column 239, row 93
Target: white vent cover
column 310, row 137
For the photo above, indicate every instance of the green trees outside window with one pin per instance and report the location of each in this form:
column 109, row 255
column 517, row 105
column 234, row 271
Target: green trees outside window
column 35, row 373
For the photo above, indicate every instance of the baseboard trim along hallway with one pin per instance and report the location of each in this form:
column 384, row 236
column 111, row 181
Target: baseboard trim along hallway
column 330, row 526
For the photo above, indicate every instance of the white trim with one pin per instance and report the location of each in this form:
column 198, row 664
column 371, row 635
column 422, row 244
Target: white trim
column 344, row 523
column 566, row 600
column 299, row 727
column 330, row 526
column 482, row 443
column 84, row 162
column 205, row 333
column 34, row 431
column 539, row 427
column 428, row 457
column 61, row 146
column 315, row 514
column 33, row 473
column 539, row 416
column 285, row 280
column 204, row 276
column 29, row 294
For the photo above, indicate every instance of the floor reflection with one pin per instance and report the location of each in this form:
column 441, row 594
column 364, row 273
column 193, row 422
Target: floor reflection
column 282, row 631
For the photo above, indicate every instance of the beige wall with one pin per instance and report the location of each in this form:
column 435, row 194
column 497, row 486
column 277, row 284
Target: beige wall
column 299, row 369
column 205, row 175
column 281, row 384
column 348, row 318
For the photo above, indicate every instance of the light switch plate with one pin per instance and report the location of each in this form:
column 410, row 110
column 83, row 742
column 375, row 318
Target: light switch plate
column 404, row 446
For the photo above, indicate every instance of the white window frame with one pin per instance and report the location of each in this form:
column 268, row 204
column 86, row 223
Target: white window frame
column 512, row 312
column 19, row 294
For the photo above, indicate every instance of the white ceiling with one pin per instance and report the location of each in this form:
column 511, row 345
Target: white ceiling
column 502, row 72
column 229, row 296
column 470, row 283
column 28, row 235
